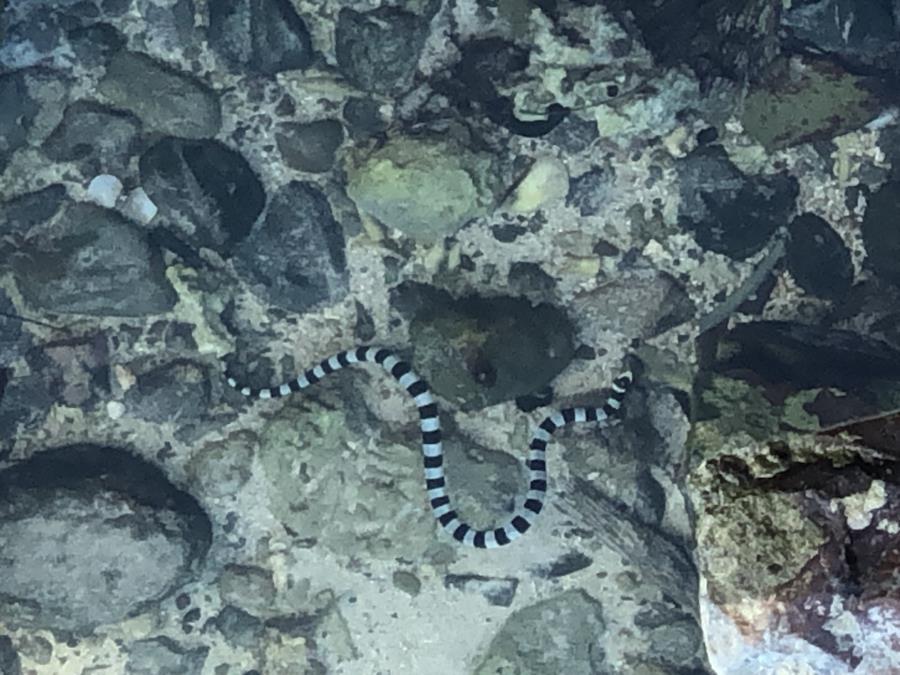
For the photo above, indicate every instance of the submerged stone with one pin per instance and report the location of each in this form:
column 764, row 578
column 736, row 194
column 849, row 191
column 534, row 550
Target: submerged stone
column 91, row 535
column 295, row 258
column 265, row 36
column 97, row 138
column 817, row 257
column 310, row 146
column 378, row 51
column 562, row 638
column 203, row 190
column 727, row 211
column 96, row 262
column 427, row 188
column 482, row 351
column 819, row 101
column 881, row 232
column 165, row 99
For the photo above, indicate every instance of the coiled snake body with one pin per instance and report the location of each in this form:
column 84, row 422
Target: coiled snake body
column 432, row 454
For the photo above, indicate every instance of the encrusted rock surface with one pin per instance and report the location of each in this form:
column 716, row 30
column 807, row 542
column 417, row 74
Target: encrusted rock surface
column 514, row 196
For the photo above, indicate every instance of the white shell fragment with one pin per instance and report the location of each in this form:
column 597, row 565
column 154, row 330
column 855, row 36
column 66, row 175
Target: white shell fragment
column 546, row 182
column 104, row 190
column 139, row 207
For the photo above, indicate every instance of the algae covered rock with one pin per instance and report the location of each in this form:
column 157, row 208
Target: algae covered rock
column 425, row 187
column 481, row 351
column 796, row 508
column 833, row 102
column 753, row 544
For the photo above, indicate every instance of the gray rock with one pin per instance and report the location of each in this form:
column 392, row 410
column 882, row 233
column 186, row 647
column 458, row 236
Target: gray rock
column 573, row 134
column 10, row 664
column 567, row 563
column 239, row 628
column 20, row 214
column 817, row 257
column 17, row 112
column 29, row 39
column 801, row 356
column 169, row 25
column 37, row 31
column 163, row 656
column 207, row 193
column 859, row 32
column 728, row 212
column 166, row 100
column 497, row 591
column 13, row 341
column 95, row 44
column 736, row 41
column 114, row 7
column 378, row 51
column 99, row 139
column 92, row 535
column 558, row 635
column 24, row 404
column 880, row 233
column 71, row 371
column 96, row 263
column 407, row 582
column 310, row 146
column 363, row 118
column 591, row 192
column 264, row 36
column 175, row 392
column 295, row 258
column 252, row 588
column 529, row 280
column 55, row 578
column 479, row 351
column 673, row 635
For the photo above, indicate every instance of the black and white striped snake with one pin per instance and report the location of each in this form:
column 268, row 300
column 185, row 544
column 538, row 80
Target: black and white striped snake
column 432, row 454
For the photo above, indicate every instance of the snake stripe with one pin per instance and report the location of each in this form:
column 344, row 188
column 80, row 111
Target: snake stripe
column 432, row 452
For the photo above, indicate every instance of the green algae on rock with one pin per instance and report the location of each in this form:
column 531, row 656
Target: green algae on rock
column 753, row 544
column 833, row 102
column 427, row 188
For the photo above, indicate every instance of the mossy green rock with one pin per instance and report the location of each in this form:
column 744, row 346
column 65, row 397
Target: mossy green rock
column 815, row 102
column 754, row 544
column 482, row 351
column 426, row 188
column 733, row 406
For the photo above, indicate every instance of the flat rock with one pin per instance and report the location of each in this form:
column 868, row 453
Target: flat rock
column 95, row 263
column 90, row 535
column 166, row 100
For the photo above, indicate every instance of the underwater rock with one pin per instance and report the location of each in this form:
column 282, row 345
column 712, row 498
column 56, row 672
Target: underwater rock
column 427, row 188
column 92, row 535
column 817, row 257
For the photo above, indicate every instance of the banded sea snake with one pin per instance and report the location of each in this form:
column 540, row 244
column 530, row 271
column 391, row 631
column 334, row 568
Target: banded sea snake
column 432, row 454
